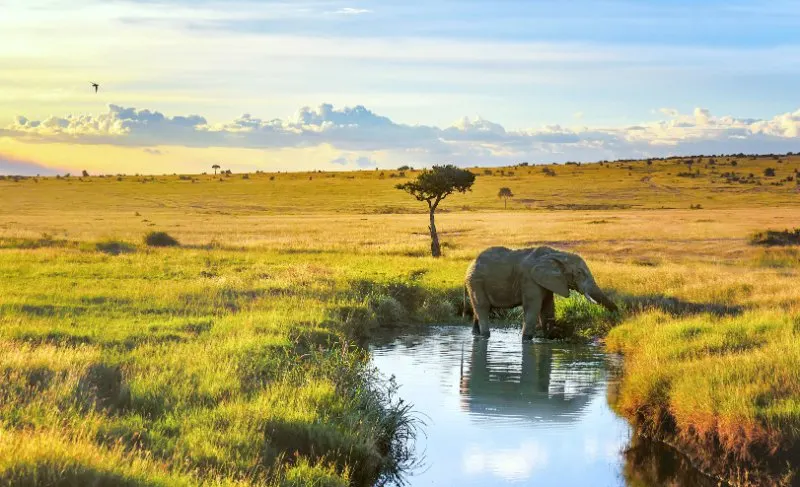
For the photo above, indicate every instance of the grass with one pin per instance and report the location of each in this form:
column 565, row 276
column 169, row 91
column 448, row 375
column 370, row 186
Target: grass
column 231, row 359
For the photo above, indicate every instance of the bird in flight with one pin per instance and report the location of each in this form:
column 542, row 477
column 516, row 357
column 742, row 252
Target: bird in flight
column 95, row 86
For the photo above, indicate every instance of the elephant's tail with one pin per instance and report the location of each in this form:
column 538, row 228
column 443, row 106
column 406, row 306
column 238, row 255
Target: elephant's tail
column 464, row 308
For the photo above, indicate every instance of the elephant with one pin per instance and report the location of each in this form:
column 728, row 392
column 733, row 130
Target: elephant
column 502, row 278
column 543, row 382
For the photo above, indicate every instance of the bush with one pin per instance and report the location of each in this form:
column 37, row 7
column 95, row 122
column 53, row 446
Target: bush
column 388, row 311
column 114, row 247
column 438, row 309
column 160, row 239
column 769, row 172
column 776, row 238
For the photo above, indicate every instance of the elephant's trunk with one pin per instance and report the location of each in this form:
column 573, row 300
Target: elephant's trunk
column 600, row 297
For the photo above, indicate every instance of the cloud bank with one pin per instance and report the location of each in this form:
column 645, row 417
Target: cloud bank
column 359, row 132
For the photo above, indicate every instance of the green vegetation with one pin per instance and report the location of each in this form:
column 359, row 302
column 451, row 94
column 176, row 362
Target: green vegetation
column 233, row 358
column 224, row 365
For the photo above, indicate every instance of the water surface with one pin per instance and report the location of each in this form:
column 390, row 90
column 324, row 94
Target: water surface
column 500, row 411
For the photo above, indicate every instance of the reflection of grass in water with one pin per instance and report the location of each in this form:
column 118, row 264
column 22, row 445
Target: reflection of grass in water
column 651, row 463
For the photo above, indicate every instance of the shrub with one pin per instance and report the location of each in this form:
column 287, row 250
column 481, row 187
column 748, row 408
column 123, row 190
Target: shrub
column 438, row 309
column 388, row 311
column 776, row 238
column 160, row 239
column 548, row 172
column 114, row 247
column 769, row 172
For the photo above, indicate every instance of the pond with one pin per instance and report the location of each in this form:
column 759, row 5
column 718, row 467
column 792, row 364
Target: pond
column 500, row 411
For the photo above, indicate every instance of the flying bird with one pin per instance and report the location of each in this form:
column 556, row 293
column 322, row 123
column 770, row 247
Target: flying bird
column 95, row 85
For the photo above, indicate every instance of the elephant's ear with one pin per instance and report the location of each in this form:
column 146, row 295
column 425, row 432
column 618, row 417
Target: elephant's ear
column 549, row 274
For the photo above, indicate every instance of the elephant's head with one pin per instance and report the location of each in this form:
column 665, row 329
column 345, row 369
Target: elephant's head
column 561, row 271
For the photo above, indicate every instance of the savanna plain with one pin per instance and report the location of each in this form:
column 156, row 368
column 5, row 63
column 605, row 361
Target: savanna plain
column 235, row 354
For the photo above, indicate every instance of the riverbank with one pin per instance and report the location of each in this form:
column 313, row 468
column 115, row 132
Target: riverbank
column 722, row 389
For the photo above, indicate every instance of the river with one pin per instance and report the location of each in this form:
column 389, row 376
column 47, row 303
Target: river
column 498, row 411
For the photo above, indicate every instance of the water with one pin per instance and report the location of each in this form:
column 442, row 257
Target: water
column 499, row 412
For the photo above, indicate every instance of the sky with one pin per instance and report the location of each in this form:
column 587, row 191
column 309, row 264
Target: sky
column 359, row 84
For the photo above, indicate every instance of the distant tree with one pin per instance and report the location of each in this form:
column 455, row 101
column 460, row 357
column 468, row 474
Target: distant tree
column 434, row 185
column 215, row 167
column 85, row 173
column 505, row 193
column 769, row 172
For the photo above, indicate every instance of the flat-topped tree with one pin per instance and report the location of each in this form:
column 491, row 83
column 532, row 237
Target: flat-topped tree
column 215, row 167
column 432, row 186
column 505, row 193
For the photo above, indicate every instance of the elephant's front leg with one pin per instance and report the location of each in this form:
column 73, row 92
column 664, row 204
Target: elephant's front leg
column 532, row 308
column 548, row 314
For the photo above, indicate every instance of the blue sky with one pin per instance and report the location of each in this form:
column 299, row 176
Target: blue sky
column 585, row 66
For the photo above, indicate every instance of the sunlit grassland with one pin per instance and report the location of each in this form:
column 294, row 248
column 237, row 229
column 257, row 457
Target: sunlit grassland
column 224, row 361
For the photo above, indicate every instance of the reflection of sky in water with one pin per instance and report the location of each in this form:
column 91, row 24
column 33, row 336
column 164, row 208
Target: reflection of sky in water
column 530, row 414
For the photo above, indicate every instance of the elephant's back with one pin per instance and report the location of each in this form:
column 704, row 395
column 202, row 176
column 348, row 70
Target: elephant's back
column 493, row 260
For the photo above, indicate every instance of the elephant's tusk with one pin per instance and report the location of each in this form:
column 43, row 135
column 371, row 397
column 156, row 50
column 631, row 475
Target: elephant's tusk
column 590, row 298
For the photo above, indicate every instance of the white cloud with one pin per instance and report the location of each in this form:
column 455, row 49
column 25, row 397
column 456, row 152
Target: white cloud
column 507, row 463
column 670, row 112
column 352, row 11
column 358, row 133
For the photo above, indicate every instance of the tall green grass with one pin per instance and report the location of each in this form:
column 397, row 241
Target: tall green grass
column 194, row 366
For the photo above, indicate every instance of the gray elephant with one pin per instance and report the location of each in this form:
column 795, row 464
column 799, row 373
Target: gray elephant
column 501, row 278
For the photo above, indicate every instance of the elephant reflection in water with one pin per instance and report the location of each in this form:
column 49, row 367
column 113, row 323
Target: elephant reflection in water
column 544, row 382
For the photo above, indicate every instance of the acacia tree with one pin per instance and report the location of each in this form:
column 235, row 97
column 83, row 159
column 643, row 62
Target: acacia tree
column 434, row 185
column 505, row 193
column 215, row 167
